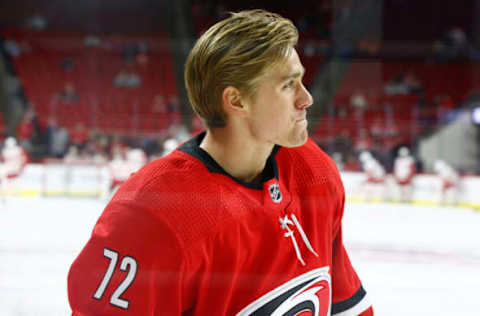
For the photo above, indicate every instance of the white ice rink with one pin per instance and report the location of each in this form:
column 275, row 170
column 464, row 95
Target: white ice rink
column 412, row 260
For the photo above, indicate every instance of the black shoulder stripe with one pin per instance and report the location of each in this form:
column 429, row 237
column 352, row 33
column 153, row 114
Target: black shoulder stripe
column 349, row 303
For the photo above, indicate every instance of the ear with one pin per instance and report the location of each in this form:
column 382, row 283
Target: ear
column 232, row 102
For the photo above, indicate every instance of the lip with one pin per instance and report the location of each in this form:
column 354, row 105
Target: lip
column 300, row 120
column 302, row 117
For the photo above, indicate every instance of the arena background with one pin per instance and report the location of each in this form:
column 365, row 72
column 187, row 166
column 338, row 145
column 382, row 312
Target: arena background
column 102, row 75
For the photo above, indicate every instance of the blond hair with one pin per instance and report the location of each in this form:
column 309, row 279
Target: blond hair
column 235, row 52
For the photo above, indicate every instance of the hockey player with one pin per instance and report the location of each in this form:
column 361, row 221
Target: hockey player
column 169, row 145
column 374, row 187
column 119, row 171
column 403, row 173
column 244, row 219
column 125, row 162
column 135, row 159
column 14, row 160
column 450, row 181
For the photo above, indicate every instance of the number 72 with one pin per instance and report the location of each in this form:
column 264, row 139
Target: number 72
column 127, row 261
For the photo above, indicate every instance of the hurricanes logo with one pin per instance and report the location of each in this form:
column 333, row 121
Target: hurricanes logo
column 275, row 193
column 308, row 294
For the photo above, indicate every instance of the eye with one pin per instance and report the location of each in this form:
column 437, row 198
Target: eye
column 289, row 84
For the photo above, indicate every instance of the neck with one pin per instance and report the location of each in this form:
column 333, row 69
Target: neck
column 241, row 158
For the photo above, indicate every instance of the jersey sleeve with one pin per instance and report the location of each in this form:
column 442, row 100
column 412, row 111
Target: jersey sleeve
column 132, row 265
column 348, row 295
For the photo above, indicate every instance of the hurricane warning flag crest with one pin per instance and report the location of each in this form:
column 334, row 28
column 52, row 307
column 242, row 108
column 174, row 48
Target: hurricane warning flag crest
column 308, row 294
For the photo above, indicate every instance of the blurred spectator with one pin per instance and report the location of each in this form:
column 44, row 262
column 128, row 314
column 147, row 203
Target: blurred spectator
column 358, row 100
column 377, row 128
column 363, row 141
column 159, row 104
column 97, row 147
column 15, row 49
column 382, row 152
column 454, row 44
column 129, row 52
column 12, row 48
column 397, row 85
column 128, row 79
column 117, row 146
column 173, row 104
column 121, row 79
column 142, row 47
column 456, row 38
column 338, row 159
column 343, row 144
column 99, row 157
column 13, row 85
column 133, row 80
column 392, row 134
column 72, row 155
column 175, row 116
column 142, row 53
column 79, row 136
column 142, row 59
column 413, row 83
column 341, row 112
column 309, row 49
column 31, row 113
column 444, row 104
column 57, row 139
column 69, row 93
column 67, row 64
column 25, row 132
column 37, row 21
column 91, row 41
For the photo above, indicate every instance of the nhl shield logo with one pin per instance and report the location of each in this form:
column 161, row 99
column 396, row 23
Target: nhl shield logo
column 275, row 193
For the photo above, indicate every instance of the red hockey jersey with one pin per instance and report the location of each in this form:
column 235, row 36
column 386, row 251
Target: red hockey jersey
column 182, row 237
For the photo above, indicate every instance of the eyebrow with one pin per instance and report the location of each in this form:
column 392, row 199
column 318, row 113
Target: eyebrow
column 296, row 74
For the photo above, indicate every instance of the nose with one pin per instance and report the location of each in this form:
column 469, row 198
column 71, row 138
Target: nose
column 304, row 99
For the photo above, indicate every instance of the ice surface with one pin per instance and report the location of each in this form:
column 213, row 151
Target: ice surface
column 39, row 239
column 416, row 260
column 412, row 260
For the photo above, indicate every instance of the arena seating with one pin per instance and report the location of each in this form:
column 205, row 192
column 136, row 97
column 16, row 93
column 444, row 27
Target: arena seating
column 100, row 104
column 404, row 112
column 129, row 110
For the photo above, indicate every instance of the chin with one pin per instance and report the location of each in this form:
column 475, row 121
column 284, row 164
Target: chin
column 297, row 141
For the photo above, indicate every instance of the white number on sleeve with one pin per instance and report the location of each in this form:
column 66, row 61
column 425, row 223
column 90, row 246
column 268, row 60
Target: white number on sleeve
column 128, row 264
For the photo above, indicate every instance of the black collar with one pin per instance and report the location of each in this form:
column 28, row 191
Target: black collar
column 192, row 147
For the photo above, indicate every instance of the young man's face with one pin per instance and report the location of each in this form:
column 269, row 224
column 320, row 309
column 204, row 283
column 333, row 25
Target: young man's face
column 278, row 110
